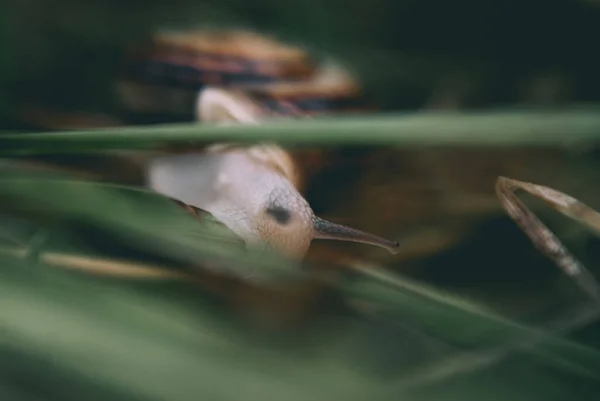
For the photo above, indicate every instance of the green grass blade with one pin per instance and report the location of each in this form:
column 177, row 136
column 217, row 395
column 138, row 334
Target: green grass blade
column 496, row 128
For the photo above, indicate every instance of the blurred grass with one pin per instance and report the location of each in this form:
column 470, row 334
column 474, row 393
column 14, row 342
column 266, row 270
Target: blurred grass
column 145, row 341
column 146, row 344
column 68, row 336
column 154, row 346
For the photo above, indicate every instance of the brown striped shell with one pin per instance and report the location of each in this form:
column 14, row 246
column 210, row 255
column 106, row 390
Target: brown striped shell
column 167, row 75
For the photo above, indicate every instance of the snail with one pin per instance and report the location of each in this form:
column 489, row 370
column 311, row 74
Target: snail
column 252, row 190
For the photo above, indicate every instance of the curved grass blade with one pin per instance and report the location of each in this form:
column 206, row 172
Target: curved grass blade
column 542, row 238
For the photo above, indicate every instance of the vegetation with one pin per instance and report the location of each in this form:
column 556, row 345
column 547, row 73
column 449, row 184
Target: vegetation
column 111, row 292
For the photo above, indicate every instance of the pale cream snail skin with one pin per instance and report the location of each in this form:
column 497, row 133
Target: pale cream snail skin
column 223, row 107
column 251, row 189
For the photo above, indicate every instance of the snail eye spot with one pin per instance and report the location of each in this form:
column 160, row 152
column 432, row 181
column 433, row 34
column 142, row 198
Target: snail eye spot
column 280, row 214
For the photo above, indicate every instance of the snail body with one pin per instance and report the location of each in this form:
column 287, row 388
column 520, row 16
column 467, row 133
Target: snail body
column 251, row 196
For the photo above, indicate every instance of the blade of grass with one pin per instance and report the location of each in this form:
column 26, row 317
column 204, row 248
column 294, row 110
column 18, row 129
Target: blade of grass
column 497, row 128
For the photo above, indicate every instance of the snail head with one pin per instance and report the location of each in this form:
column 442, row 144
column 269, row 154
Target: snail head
column 288, row 224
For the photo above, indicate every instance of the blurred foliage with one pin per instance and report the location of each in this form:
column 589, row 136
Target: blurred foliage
column 68, row 335
column 72, row 337
column 371, row 333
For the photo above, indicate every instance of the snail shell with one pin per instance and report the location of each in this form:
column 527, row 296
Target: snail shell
column 279, row 78
column 232, row 55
